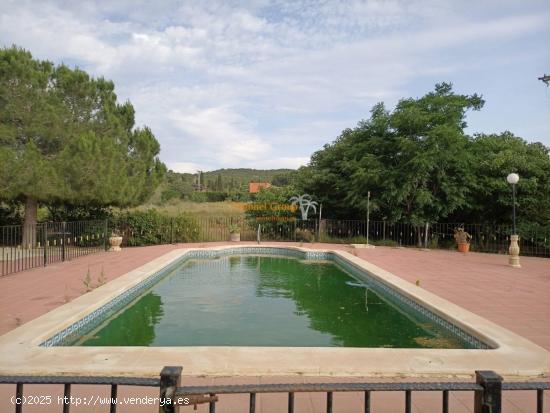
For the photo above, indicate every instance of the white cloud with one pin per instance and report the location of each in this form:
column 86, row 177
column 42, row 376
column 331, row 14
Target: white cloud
column 261, row 82
column 183, row 167
column 282, row 162
column 221, row 133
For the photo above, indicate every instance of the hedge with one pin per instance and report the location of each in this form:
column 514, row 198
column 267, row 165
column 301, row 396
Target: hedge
column 151, row 228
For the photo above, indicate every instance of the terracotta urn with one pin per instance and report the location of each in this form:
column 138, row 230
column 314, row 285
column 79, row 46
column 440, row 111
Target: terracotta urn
column 462, row 239
column 235, row 236
column 463, row 246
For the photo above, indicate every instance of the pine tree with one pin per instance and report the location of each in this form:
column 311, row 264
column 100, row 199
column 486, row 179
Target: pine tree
column 64, row 138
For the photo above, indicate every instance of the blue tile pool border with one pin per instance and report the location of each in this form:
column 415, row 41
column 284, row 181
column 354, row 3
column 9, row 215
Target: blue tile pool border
column 77, row 329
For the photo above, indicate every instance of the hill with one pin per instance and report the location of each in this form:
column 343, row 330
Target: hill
column 230, row 178
column 242, row 176
column 226, row 181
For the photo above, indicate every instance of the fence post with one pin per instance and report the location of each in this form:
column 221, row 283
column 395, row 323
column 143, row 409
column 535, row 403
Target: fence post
column 170, row 377
column 171, row 230
column 426, row 235
column 63, row 226
column 368, row 215
column 319, row 224
column 45, row 232
column 105, row 229
column 488, row 400
column 317, row 229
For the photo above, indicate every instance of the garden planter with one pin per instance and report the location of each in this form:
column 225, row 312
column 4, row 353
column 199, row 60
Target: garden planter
column 462, row 239
column 235, row 237
column 115, row 242
column 463, row 247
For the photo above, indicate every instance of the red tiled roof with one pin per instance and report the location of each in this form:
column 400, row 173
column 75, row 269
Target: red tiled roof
column 254, row 187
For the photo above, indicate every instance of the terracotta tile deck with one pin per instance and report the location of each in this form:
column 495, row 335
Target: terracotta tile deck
column 517, row 299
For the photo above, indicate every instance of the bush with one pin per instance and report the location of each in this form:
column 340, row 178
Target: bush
column 71, row 213
column 150, row 228
column 357, row 240
column 304, row 235
column 169, row 194
column 208, row 196
column 332, row 240
column 10, row 213
column 239, row 196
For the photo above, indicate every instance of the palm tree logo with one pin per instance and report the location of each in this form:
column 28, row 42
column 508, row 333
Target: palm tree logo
column 305, row 202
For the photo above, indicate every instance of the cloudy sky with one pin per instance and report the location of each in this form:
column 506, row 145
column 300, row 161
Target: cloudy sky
column 264, row 84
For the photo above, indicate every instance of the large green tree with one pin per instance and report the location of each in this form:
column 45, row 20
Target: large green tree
column 420, row 166
column 65, row 139
column 413, row 160
column 494, row 156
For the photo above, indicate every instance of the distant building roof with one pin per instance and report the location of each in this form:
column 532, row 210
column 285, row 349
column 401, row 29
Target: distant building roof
column 254, row 187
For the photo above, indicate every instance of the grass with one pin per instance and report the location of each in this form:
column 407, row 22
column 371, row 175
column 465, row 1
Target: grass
column 359, row 240
column 178, row 206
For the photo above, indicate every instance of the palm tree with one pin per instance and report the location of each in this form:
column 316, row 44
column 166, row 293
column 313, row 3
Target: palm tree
column 305, row 202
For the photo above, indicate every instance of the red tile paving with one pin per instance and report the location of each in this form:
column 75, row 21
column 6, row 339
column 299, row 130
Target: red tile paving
column 517, row 299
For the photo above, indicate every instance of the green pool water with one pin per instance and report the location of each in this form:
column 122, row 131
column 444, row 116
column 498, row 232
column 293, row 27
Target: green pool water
column 265, row 301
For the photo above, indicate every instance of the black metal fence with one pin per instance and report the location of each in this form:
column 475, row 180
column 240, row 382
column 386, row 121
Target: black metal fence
column 212, row 229
column 26, row 247
column 485, row 238
column 487, row 389
column 37, row 245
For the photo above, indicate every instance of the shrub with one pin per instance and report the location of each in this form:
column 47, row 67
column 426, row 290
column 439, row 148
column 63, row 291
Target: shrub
column 332, row 240
column 150, row 228
column 71, row 213
column 10, row 213
column 304, row 235
column 208, row 196
column 168, row 195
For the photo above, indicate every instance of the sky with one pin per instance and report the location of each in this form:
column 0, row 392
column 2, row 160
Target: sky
column 264, row 84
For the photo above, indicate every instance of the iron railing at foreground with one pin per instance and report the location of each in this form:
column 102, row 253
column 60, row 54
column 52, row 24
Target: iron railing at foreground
column 487, row 389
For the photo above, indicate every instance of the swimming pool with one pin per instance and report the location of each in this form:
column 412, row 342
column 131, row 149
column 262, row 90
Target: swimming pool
column 43, row 345
column 268, row 300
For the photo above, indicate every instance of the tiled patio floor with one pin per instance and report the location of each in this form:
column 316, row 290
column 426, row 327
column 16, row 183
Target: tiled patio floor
column 517, row 299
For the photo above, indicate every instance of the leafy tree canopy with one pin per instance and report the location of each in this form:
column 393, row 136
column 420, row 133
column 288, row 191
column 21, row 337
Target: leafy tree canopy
column 489, row 200
column 419, row 165
column 65, row 139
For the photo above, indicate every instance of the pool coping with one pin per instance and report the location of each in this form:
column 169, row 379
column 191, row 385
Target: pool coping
column 20, row 351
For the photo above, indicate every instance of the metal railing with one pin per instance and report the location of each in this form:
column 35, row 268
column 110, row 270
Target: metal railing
column 19, row 401
column 215, row 229
column 26, row 247
column 37, row 245
column 485, row 238
column 487, row 389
